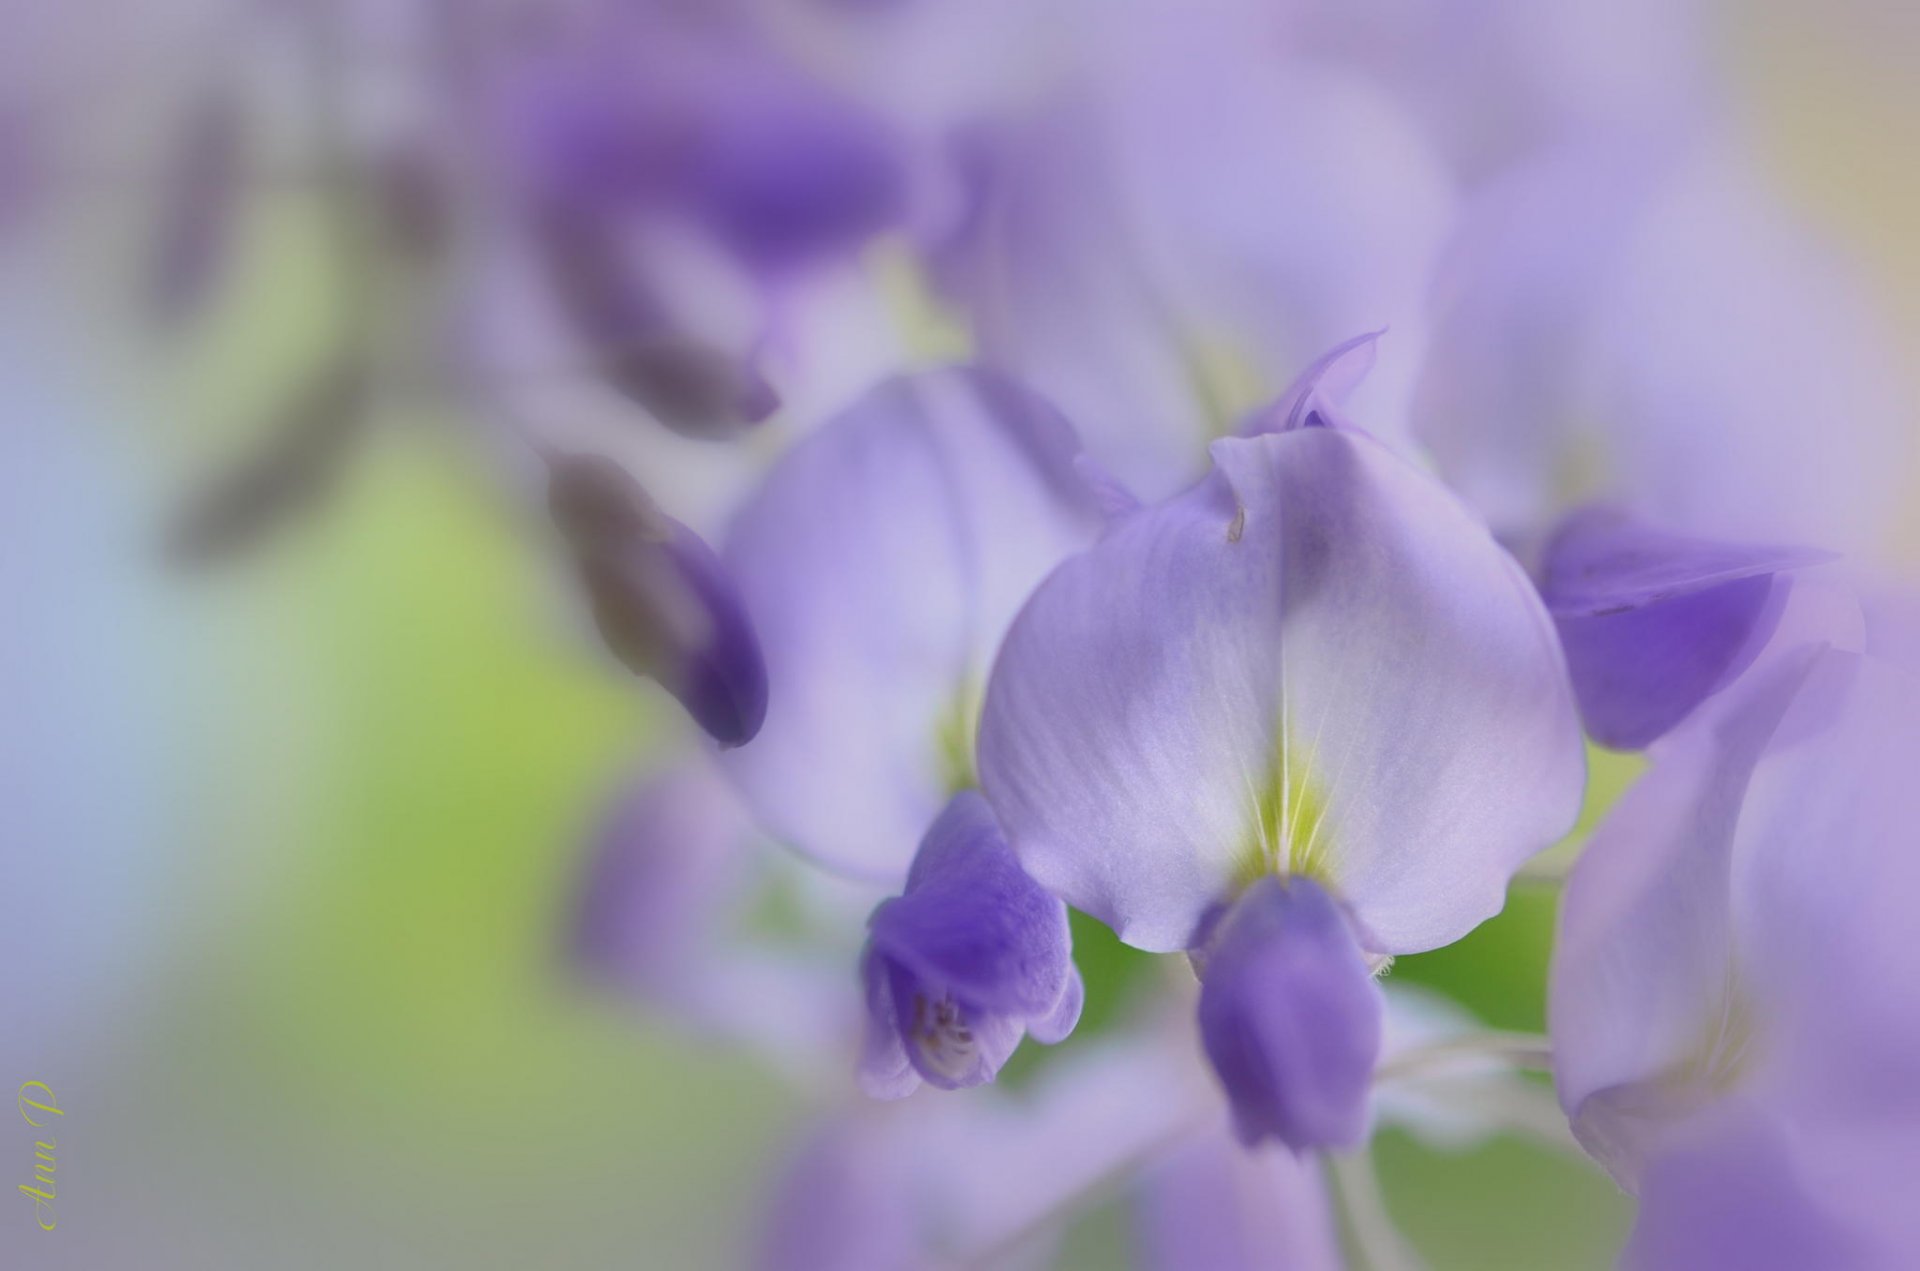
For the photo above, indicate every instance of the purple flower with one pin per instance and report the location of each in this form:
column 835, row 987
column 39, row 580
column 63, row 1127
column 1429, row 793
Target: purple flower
column 1314, row 665
column 661, row 599
column 970, row 957
column 995, row 1178
column 1290, row 1016
column 675, row 177
column 881, row 561
column 1733, row 1002
column 663, row 916
column 1205, row 1203
column 1184, row 213
column 1654, row 623
column 1642, row 323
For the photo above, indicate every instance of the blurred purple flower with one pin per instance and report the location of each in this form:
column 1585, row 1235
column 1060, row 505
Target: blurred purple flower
column 1643, row 324
column 1314, row 665
column 1733, row 998
column 633, row 141
column 881, row 561
column 1206, row 1203
column 664, row 915
column 1178, row 216
column 993, row 1179
column 1654, row 623
column 661, row 599
column 971, row 956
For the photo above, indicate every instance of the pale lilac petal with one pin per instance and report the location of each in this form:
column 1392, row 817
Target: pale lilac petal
column 1648, row 324
column 881, row 561
column 1290, row 1017
column 1644, row 958
column 1208, row 1202
column 1316, row 658
column 1731, row 1195
column 673, row 854
column 1825, row 888
column 1728, row 904
column 1320, row 392
column 1603, row 561
column 842, row 1201
column 1158, row 240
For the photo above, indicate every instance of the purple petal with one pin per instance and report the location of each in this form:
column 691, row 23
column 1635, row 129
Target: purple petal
column 842, row 1200
column 1654, row 623
column 1291, row 1016
column 1314, row 661
column 663, row 602
column 1715, row 932
column 881, row 561
column 1603, row 561
column 1210, row 1203
column 1732, row 1197
column 781, row 172
column 1316, row 397
column 692, row 387
column 668, row 859
column 960, row 964
column 1639, row 672
column 1643, row 961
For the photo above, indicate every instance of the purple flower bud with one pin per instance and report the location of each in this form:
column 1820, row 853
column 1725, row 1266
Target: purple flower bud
column 1290, row 1016
column 1655, row 623
column 690, row 386
column 971, row 956
column 661, row 598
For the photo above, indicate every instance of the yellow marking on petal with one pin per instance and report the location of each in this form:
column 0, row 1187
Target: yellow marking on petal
column 956, row 734
column 1581, row 471
column 934, row 331
column 1291, row 833
column 1224, row 379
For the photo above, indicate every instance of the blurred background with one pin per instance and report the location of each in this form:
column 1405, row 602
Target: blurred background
column 302, row 739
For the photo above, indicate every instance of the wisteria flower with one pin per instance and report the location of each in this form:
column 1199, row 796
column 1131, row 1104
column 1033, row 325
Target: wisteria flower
column 970, row 957
column 881, row 561
column 663, row 604
column 1733, row 1006
column 1653, row 623
column 1311, row 688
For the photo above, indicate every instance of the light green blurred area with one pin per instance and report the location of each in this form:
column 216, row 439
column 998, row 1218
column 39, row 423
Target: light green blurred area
column 372, row 1057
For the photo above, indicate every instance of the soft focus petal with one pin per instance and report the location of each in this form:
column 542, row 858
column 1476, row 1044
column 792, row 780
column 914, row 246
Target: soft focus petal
column 1154, row 241
column 881, row 562
column 1290, row 1017
column 1647, row 324
column 671, row 856
column 1210, row 1203
column 1732, row 1196
column 1315, row 660
column 1317, row 396
column 841, row 1201
column 1664, row 975
column 663, row 602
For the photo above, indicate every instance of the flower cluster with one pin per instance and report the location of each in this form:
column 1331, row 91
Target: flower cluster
column 1192, row 470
